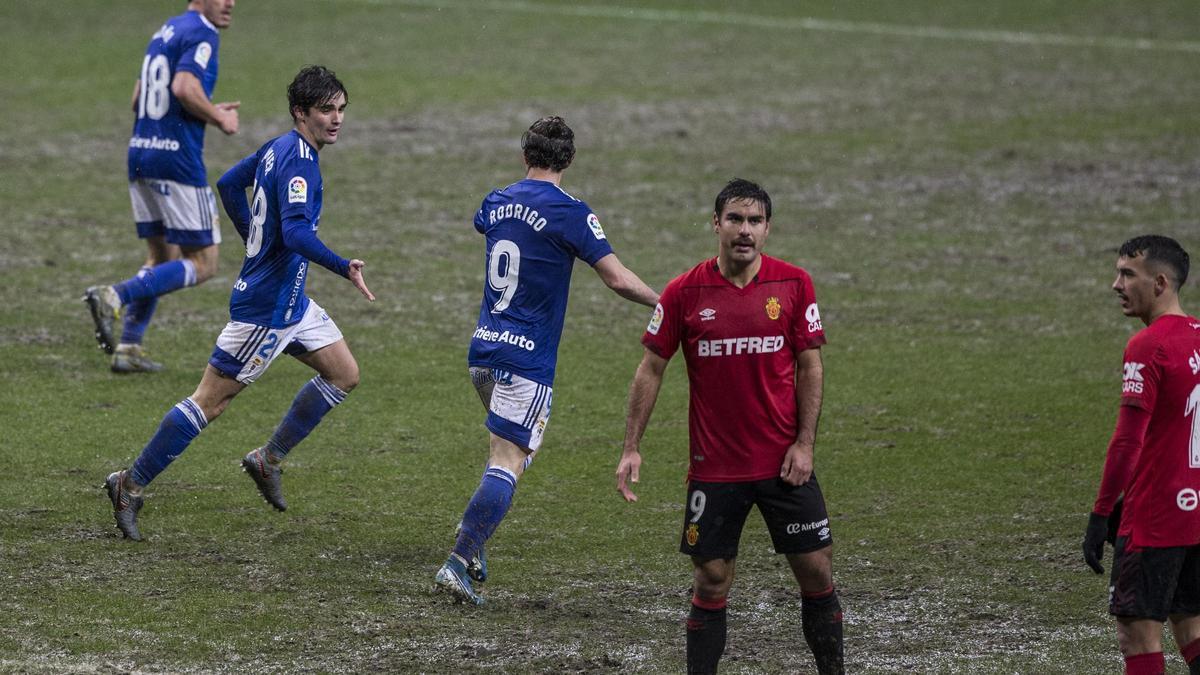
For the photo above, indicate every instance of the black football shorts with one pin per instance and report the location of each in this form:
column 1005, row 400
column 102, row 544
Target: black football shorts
column 1154, row 583
column 716, row 512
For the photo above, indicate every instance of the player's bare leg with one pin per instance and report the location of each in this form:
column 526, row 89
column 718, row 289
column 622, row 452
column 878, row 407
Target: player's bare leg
column 821, row 610
column 1187, row 635
column 337, row 375
column 1141, row 644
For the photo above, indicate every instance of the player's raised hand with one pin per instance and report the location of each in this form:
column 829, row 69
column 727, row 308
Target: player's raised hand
column 228, row 120
column 356, row 278
column 627, row 472
column 797, row 464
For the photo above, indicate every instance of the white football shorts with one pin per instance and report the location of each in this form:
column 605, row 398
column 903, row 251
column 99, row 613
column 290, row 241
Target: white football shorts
column 185, row 214
column 244, row 351
column 518, row 409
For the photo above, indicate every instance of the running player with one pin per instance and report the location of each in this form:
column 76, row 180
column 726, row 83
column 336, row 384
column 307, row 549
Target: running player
column 269, row 311
column 751, row 335
column 173, row 206
column 1154, row 459
column 534, row 232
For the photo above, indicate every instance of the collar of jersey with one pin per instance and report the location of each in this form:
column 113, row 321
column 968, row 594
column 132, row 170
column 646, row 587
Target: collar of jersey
column 204, row 19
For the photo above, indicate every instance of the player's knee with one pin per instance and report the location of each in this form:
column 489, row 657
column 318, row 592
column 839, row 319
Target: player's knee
column 348, row 380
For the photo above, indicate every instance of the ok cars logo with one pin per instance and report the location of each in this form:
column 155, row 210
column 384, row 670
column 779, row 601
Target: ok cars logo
column 1133, row 382
column 1187, row 499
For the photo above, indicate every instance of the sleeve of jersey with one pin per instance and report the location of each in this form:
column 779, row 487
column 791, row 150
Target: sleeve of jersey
column 479, row 222
column 1123, row 451
column 807, row 330
column 1140, row 374
column 585, row 236
column 299, row 182
column 299, row 236
column 232, row 188
column 196, row 54
column 663, row 333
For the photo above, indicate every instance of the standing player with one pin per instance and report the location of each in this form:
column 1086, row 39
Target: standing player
column 751, row 336
column 1154, row 459
column 172, row 204
column 534, row 233
column 270, row 314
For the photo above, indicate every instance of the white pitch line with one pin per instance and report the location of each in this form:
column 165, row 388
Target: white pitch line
column 789, row 23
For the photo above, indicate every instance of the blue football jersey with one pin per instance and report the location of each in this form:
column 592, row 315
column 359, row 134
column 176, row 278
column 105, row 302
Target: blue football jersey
column 287, row 182
column 167, row 141
column 534, row 232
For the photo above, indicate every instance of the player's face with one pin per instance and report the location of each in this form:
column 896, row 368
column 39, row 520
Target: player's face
column 1135, row 286
column 219, row 12
column 321, row 123
column 742, row 228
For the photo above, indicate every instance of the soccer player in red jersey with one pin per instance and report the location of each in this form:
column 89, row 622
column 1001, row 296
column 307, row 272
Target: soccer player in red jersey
column 751, row 335
column 1154, row 459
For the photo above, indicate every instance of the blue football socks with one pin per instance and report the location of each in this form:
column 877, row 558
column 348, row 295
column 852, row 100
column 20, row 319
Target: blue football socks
column 156, row 281
column 486, row 509
column 314, row 399
column 180, row 425
column 137, row 316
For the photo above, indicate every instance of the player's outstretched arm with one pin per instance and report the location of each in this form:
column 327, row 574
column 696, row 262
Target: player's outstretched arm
column 354, row 274
column 643, row 393
column 810, row 381
column 623, row 281
column 187, row 88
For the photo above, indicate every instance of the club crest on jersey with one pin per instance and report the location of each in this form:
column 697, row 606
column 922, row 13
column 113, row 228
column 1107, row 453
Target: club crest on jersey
column 203, row 54
column 774, row 309
column 594, row 223
column 655, row 320
column 297, row 190
column 1133, row 382
column 693, row 534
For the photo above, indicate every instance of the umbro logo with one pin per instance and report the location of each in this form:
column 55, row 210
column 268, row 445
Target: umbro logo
column 708, row 314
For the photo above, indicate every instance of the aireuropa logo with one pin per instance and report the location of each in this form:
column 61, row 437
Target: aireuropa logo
column 1133, row 382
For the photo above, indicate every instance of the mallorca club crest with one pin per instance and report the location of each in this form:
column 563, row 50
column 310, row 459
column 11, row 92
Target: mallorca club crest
column 773, row 308
column 693, row 534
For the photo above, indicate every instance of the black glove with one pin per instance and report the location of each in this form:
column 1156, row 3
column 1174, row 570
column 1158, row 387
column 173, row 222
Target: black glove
column 1093, row 542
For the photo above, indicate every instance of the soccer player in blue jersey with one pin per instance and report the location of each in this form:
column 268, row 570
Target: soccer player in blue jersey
column 173, row 206
column 534, row 232
column 269, row 312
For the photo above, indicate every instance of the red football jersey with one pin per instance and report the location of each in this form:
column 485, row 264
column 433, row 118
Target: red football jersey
column 1162, row 375
column 740, row 345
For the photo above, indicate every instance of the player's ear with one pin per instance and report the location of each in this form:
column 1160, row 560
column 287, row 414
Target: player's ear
column 716, row 222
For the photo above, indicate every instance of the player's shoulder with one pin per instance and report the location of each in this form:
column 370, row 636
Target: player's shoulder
column 292, row 148
column 699, row 276
column 189, row 28
column 774, row 269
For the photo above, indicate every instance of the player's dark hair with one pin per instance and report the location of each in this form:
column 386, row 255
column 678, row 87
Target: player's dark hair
column 549, row 144
column 1162, row 250
column 313, row 86
column 739, row 188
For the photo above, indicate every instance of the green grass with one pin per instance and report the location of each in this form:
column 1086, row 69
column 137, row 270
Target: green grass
column 957, row 201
